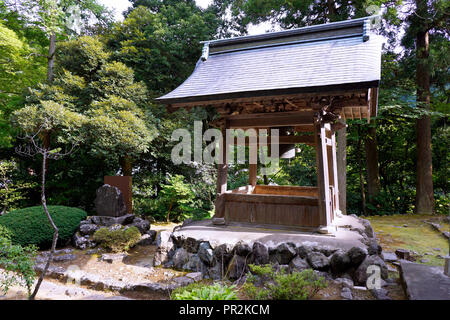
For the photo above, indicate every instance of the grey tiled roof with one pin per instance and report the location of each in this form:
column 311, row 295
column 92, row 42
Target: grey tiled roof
column 303, row 65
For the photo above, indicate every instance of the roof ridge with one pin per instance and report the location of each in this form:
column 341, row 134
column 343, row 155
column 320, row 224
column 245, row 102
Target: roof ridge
column 289, row 32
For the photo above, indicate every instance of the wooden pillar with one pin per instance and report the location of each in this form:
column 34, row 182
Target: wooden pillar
column 342, row 166
column 222, row 175
column 252, row 173
column 322, row 173
column 335, row 174
column 253, row 158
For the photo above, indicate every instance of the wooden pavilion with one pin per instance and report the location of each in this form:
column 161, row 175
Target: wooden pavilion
column 301, row 80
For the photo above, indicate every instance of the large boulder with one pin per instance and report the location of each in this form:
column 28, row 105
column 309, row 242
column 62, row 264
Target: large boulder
column 368, row 230
column 298, row 264
column 237, row 267
column 82, row 242
column 164, row 246
column 357, row 255
column 191, row 245
column 180, row 258
column 223, row 254
column 260, row 253
column 87, row 229
column 360, row 276
column 303, row 251
column 205, row 253
column 110, row 202
column 142, row 225
column 195, row 264
column 242, row 249
column 285, row 252
column 340, row 262
column 318, row 261
column 374, row 247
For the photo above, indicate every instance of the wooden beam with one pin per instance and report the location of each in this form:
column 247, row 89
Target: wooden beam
column 281, row 140
column 304, row 128
column 291, row 103
column 274, row 119
column 278, row 97
column 270, row 198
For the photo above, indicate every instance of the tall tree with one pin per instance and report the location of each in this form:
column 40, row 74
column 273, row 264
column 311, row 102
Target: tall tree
column 101, row 91
column 373, row 176
column 160, row 40
column 426, row 17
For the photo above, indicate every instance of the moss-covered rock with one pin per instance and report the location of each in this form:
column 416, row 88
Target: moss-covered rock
column 118, row 239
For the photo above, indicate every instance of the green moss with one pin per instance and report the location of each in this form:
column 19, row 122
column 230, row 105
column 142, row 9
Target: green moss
column 118, row 240
column 418, row 236
column 30, row 226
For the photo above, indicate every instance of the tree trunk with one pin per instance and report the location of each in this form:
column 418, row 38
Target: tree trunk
column 373, row 177
column 342, row 167
column 55, row 228
column 331, row 10
column 51, row 58
column 127, row 166
column 424, row 175
column 168, row 212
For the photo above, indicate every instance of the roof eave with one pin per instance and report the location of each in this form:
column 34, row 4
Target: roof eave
column 208, row 99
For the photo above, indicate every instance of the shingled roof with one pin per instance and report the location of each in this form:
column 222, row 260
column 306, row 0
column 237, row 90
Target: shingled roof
column 335, row 56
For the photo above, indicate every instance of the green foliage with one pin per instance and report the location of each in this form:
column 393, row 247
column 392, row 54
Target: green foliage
column 442, row 203
column 17, row 264
column 5, row 233
column 266, row 284
column 93, row 102
column 176, row 200
column 117, row 240
column 216, row 291
column 20, row 67
column 161, row 41
column 30, row 226
column 11, row 192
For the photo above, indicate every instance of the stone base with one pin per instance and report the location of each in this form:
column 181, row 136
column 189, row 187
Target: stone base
column 219, row 251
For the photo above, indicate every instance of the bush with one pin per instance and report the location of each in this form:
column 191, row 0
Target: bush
column 200, row 292
column 265, row 284
column 17, row 263
column 117, row 240
column 5, row 233
column 30, row 226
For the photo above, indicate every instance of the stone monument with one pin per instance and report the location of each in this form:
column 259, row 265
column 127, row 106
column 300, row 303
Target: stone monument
column 109, row 202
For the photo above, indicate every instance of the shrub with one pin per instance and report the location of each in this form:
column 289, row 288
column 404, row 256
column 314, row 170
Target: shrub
column 117, row 240
column 30, row 226
column 210, row 292
column 5, row 233
column 266, row 284
column 17, row 263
